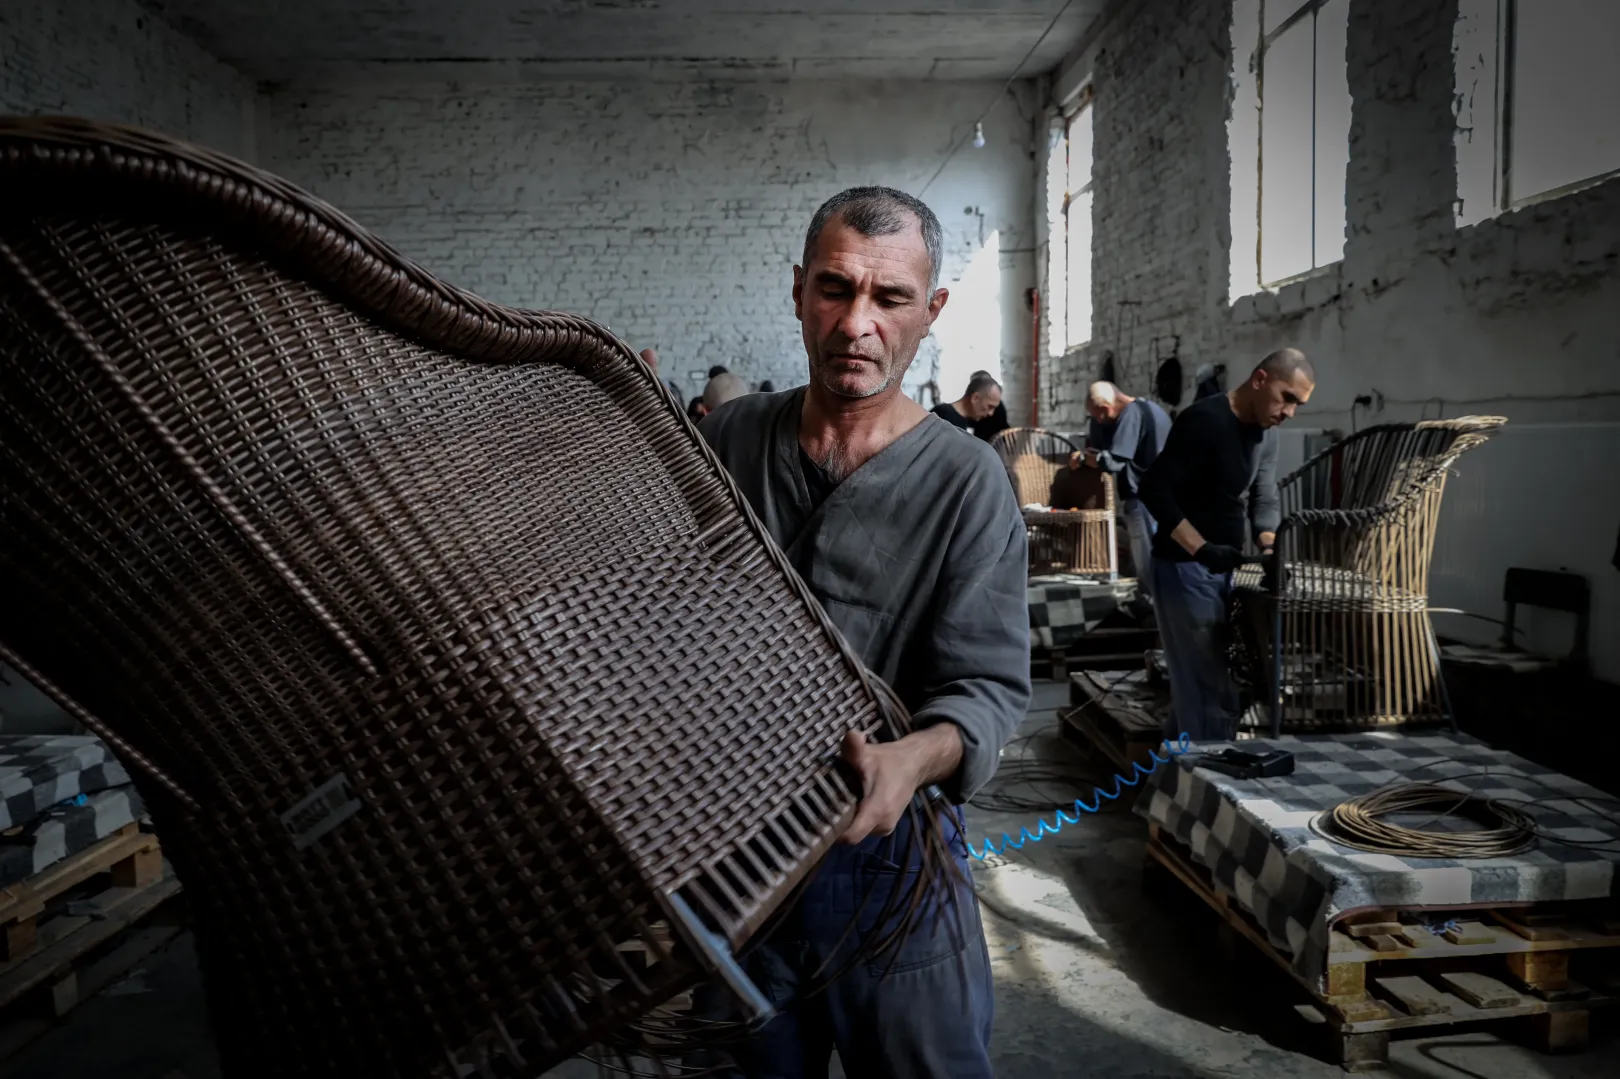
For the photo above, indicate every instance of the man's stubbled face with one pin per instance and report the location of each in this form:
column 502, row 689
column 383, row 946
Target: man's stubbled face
column 865, row 306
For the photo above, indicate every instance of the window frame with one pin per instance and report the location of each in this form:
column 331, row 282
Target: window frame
column 1507, row 22
column 1306, row 8
column 1072, row 111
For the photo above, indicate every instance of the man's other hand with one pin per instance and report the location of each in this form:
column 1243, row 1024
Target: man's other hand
column 891, row 772
column 1218, row 557
column 1091, row 458
column 651, row 359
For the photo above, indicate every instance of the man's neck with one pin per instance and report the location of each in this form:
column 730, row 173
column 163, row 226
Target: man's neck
column 853, row 430
column 962, row 406
column 1240, row 405
column 1124, row 400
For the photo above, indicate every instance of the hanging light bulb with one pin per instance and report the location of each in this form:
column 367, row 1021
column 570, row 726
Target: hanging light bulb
column 978, row 135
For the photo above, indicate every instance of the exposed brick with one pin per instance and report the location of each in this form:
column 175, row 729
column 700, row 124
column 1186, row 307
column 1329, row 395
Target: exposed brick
column 673, row 212
column 1467, row 300
column 113, row 60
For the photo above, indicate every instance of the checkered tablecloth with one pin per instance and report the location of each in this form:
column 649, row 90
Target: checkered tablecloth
column 38, row 771
column 1255, row 835
column 1064, row 607
column 64, row 830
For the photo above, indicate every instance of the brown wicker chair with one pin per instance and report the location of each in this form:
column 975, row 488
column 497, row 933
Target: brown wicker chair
column 434, row 726
column 1060, row 540
column 1341, row 638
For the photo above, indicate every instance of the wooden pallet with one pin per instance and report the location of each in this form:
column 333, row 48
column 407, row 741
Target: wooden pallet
column 1105, row 648
column 1109, row 712
column 1484, row 970
column 75, row 928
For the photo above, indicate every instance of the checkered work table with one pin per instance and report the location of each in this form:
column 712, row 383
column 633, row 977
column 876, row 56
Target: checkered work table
column 66, row 829
column 1063, row 607
column 37, row 771
column 1254, row 836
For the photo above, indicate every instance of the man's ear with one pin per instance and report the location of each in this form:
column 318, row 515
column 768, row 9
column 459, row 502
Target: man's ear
column 798, row 293
column 936, row 303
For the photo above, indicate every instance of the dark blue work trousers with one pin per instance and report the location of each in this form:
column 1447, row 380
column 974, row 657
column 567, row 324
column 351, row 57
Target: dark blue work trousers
column 921, row 1012
column 1190, row 604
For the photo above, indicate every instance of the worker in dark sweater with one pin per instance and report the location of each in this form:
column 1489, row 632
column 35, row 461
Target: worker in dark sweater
column 1217, row 473
column 996, row 422
column 979, row 402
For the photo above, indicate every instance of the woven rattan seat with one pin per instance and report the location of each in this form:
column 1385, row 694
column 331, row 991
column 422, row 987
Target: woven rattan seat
column 1061, row 540
column 433, row 717
column 1341, row 638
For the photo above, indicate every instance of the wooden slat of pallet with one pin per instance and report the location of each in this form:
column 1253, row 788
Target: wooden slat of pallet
column 1469, row 933
column 1373, row 929
column 1532, row 927
column 1495, row 940
column 120, row 909
column 1481, row 991
column 28, row 898
column 1417, row 996
column 88, row 982
column 1462, row 1012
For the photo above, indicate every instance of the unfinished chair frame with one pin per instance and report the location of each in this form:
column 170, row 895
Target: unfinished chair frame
column 1336, row 633
column 329, row 552
column 1060, row 541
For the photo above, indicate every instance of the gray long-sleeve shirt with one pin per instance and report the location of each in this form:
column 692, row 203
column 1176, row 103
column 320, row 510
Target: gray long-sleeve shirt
column 1213, row 468
column 919, row 558
column 1130, row 445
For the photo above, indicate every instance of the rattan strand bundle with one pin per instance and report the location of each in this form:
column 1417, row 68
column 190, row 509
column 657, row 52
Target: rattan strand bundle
column 1361, row 823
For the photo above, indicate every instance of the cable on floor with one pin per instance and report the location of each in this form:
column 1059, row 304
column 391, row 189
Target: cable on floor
column 1080, row 808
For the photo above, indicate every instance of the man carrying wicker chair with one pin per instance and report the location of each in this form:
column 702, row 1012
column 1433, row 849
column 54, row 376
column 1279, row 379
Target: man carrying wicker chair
column 910, row 537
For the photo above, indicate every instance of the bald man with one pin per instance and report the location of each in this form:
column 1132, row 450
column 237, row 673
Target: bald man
column 1124, row 438
column 722, row 388
column 1218, row 473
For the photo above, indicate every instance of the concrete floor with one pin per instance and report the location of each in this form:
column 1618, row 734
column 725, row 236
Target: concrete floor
column 1093, row 979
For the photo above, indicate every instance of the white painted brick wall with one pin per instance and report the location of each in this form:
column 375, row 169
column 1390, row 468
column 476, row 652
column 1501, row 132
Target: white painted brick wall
column 1518, row 306
column 671, row 211
column 114, row 60
column 1514, row 316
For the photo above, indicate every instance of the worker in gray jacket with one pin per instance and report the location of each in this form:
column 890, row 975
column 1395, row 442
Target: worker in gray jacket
column 1124, row 438
column 910, row 536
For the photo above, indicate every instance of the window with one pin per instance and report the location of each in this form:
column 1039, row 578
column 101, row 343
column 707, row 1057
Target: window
column 1077, row 226
column 1304, row 136
column 1536, row 85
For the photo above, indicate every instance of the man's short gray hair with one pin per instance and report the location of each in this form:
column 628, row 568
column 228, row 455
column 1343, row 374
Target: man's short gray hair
column 722, row 388
column 880, row 211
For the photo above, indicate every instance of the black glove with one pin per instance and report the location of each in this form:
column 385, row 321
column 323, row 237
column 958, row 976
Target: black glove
column 1218, row 557
column 1275, row 578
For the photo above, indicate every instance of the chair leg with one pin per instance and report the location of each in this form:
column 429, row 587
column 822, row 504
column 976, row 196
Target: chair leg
column 1440, row 680
column 1276, row 669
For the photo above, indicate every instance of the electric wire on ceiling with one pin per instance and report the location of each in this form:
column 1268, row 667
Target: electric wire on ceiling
column 975, row 132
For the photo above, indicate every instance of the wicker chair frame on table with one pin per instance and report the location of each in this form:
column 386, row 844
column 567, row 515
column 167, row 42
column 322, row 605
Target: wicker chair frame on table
column 1337, row 635
column 1060, row 540
column 328, row 551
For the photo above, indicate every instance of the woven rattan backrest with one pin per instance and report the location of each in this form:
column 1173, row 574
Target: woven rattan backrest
column 1032, row 456
column 446, row 649
column 1387, row 481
